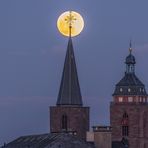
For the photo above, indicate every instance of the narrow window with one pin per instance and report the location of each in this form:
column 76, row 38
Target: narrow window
column 143, row 99
column 64, row 122
column 125, row 127
column 121, row 89
column 120, row 99
column 130, row 99
column 140, row 99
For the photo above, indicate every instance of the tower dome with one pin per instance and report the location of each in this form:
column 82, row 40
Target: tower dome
column 130, row 59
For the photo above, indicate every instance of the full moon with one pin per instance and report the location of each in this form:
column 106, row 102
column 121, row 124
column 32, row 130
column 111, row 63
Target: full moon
column 70, row 23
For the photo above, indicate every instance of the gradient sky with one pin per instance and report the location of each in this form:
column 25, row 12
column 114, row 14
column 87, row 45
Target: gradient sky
column 32, row 53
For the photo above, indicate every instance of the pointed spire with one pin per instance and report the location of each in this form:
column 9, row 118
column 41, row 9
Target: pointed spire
column 70, row 23
column 130, row 47
column 69, row 93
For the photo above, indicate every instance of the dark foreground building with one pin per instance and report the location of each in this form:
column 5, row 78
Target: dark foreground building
column 63, row 140
column 129, row 109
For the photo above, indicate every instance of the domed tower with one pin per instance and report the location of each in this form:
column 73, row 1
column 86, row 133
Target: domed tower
column 129, row 108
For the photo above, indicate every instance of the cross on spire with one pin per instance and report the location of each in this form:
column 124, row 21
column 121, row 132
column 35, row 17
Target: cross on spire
column 70, row 20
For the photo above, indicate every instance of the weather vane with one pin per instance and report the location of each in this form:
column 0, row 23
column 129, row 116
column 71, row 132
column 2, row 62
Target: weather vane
column 70, row 23
column 130, row 48
column 70, row 20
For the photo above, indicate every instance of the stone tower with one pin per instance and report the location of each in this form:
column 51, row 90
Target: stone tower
column 69, row 115
column 129, row 109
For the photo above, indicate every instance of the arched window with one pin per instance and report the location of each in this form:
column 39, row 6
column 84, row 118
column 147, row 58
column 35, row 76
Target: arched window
column 125, row 127
column 64, row 122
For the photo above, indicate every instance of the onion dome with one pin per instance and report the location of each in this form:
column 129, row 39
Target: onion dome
column 130, row 59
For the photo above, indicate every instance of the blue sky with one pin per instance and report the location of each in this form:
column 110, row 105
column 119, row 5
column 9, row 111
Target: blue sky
column 32, row 53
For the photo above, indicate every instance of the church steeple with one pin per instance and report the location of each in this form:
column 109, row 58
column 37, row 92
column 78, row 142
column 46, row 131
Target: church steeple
column 69, row 115
column 69, row 93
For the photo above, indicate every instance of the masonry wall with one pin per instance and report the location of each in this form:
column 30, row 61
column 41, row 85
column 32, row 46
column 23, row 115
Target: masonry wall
column 138, row 123
column 78, row 119
column 102, row 139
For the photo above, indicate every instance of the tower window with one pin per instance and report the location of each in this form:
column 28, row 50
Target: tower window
column 125, row 127
column 121, row 89
column 130, row 99
column 64, row 122
column 124, row 130
column 137, row 99
column 129, row 90
column 144, row 100
column 120, row 99
column 140, row 99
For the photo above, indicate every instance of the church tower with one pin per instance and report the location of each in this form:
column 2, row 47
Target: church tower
column 69, row 115
column 129, row 108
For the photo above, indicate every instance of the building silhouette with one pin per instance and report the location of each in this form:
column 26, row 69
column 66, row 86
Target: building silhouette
column 129, row 108
column 69, row 113
column 69, row 119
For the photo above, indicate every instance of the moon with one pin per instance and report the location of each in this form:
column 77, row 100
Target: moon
column 70, row 19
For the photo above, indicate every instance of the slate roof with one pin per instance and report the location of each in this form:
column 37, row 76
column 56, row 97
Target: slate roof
column 69, row 93
column 130, row 81
column 62, row 140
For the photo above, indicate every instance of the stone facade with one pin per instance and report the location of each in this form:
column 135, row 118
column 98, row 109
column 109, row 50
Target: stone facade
column 137, row 123
column 100, row 136
column 77, row 119
column 129, row 109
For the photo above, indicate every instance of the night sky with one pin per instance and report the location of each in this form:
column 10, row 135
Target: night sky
column 32, row 53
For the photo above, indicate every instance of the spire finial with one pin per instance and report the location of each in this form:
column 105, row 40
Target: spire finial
column 70, row 23
column 70, row 20
column 130, row 46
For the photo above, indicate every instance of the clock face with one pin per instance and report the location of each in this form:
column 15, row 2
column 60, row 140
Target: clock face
column 70, row 23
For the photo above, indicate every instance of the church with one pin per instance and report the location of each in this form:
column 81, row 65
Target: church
column 70, row 119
